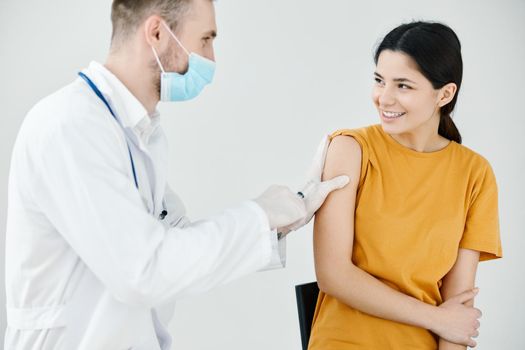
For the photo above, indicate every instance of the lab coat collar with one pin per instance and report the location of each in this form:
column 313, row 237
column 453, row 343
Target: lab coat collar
column 126, row 106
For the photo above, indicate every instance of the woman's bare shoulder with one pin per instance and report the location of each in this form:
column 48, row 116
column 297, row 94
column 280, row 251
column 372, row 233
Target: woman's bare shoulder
column 343, row 158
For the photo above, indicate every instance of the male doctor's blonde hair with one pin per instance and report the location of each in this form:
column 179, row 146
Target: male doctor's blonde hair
column 127, row 15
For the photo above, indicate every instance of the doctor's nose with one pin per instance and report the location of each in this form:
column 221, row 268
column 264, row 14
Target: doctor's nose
column 211, row 55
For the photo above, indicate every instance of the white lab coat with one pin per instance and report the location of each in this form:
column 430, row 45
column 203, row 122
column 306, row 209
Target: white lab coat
column 88, row 263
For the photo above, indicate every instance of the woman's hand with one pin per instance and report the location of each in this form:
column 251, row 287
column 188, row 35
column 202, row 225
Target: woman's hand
column 456, row 322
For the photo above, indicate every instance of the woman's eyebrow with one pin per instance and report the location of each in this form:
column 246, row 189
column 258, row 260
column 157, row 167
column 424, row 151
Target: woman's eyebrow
column 397, row 80
column 404, row 80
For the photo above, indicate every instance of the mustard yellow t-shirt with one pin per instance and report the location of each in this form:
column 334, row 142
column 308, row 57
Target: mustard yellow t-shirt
column 413, row 212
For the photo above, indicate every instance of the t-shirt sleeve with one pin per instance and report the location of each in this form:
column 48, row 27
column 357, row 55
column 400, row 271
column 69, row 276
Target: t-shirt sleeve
column 359, row 136
column 482, row 225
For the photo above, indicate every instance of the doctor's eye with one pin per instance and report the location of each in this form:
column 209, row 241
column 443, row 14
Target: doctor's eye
column 206, row 41
column 404, row 87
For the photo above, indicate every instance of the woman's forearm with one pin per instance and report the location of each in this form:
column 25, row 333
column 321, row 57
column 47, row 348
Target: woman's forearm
column 461, row 277
column 445, row 345
column 365, row 293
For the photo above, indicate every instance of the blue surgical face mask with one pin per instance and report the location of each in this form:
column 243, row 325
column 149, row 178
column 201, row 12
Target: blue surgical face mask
column 181, row 87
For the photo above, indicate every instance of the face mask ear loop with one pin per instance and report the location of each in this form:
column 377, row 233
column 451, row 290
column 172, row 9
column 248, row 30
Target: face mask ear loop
column 157, row 58
column 174, row 37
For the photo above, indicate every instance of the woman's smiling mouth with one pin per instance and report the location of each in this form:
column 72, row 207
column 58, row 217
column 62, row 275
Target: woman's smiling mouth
column 392, row 115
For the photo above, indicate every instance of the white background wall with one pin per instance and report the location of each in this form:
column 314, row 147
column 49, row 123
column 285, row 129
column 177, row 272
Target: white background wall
column 289, row 71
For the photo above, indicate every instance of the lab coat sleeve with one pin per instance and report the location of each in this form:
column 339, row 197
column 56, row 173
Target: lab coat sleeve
column 278, row 259
column 85, row 189
column 177, row 218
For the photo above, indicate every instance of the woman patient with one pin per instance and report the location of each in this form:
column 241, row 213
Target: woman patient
column 396, row 251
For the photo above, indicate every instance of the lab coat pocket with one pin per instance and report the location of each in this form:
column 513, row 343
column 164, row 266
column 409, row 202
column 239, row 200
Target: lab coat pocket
column 176, row 210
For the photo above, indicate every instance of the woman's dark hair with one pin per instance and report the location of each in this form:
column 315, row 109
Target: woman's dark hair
column 437, row 51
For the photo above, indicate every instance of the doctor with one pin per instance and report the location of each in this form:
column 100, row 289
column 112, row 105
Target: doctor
column 98, row 247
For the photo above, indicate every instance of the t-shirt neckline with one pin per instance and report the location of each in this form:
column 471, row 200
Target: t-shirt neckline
column 412, row 152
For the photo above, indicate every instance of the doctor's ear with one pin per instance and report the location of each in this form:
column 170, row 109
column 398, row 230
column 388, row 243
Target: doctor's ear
column 154, row 30
column 446, row 94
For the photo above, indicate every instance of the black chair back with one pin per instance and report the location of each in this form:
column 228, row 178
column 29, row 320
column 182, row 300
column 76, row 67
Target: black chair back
column 306, row 295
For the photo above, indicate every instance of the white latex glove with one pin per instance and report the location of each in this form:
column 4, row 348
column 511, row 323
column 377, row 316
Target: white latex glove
column 315, row 191
column 287, row 210
column 282, row 206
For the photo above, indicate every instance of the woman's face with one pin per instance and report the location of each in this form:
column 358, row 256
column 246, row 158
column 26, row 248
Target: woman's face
column 405, row 99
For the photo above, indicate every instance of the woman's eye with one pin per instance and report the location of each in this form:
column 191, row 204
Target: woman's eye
column 404, row 87
column 378, row 81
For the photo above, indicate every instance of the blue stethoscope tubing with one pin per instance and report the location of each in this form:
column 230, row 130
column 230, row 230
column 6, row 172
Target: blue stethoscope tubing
column 103, row 99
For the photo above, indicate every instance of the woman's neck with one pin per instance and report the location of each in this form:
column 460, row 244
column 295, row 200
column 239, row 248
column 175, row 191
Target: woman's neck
column 424, row 138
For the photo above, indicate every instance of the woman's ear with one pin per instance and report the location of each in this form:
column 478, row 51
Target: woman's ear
column 446, row 94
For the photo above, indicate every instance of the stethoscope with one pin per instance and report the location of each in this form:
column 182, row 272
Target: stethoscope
column 103, row 99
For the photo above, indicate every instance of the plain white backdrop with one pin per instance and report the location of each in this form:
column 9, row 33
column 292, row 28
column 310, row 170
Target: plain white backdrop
column 289, row 72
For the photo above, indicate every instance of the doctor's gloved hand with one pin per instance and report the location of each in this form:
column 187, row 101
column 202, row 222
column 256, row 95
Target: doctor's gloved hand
column 289, row 211
column 282, row 206
column 315, row 191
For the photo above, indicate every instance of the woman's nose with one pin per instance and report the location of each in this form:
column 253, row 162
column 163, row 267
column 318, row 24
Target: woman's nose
column 386, row 98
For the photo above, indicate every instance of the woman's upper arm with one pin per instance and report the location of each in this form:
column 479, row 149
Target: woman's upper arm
column 462, row 276
column 334, row 221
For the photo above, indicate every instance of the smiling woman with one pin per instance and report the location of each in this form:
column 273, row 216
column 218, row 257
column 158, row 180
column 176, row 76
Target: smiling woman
column 427, row 59
column 396, row 253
